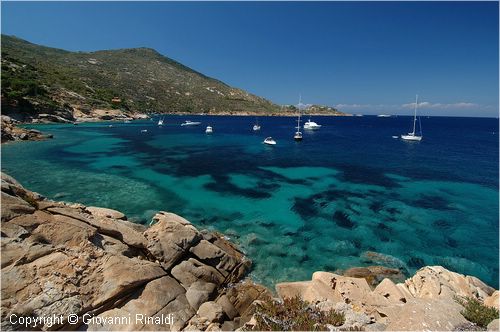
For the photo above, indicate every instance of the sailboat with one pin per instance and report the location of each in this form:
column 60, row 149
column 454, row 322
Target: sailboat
column 256, row 125
column 298, row 134
column 160, row 122
column 413, row 136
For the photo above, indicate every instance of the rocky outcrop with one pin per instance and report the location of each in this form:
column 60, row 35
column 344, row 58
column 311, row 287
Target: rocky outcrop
column 426, row 301
column 11, row 132
column 83, row 114
column 61, row 259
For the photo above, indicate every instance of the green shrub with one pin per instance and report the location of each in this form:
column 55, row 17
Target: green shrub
column 294, row 314
column 476, row 312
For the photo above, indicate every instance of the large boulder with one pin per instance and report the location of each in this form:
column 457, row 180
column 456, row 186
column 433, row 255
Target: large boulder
column 426, row 315
column 432, row 282
column 147, row 302
column 191, row 270
column 105, row 213
column 170, row 238
column 493, row 300
column 13, row 206
column 199, row 292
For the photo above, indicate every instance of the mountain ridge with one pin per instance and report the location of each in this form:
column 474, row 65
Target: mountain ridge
column 37, row 79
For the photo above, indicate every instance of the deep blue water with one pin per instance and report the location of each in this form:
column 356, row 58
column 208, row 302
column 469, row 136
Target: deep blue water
column 321, row 204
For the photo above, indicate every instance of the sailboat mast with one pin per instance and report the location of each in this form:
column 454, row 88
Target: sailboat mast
column 415, row 115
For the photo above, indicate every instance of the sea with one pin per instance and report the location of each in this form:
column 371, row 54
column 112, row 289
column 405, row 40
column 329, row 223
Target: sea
column 348, row 195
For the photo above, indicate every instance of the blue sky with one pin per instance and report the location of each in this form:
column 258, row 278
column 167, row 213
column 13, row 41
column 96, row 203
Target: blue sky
column 363, row 57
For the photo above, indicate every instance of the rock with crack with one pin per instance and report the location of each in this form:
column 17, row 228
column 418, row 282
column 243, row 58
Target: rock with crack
column 170, row 238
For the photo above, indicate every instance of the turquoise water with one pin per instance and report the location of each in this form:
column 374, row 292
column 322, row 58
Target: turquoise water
column 320, row 204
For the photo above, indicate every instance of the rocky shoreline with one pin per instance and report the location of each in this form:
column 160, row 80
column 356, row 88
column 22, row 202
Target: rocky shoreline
column 60, row 259
column 11, row 132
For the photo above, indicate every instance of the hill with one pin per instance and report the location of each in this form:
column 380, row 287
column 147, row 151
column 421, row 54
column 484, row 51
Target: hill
column 42, row 80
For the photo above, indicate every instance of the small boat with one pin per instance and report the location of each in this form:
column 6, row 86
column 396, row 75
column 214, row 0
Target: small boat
column 269, row 141
column 110, row 126
column 75, row 123
column 383, row 116
column 160, row 122
column 395, row 136
column 144, row 131
column 190, row 123
column 311, row 125
column 413, row 136
column 127, row 121
column 298, row 134
column 209, row 130
column 256, row 126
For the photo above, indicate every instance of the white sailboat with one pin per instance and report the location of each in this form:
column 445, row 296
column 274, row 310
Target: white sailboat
column 298, row 134
column 160, row 122
column 413, row 136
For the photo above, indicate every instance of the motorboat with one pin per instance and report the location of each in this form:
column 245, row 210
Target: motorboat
column 413, row 136
column 190, row 123
column 209, row 130
column 144, row 131
column 311, row 125
column 256, row 126
column 383, row 116
column 160, row 122
column 269, row 141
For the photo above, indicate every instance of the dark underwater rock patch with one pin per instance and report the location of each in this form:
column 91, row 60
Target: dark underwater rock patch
column 450, row 242
column 367, row 175
column 442, row 224
column 433, row 202
column 222, row 185
column 415, row 262
column 357, row 243
column 343, row 220
column 376, row 206
column 382, row 226
column 304, row 207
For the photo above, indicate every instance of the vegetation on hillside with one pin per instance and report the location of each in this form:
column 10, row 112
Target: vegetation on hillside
column 476, row 312
column 133, row 80
column 294, row 314
column 142, row 79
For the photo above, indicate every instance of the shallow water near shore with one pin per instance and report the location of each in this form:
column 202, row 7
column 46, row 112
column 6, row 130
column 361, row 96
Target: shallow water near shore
column 321, row 204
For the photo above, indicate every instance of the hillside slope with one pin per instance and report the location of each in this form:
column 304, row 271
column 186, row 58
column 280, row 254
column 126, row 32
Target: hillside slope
column 38, row 79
